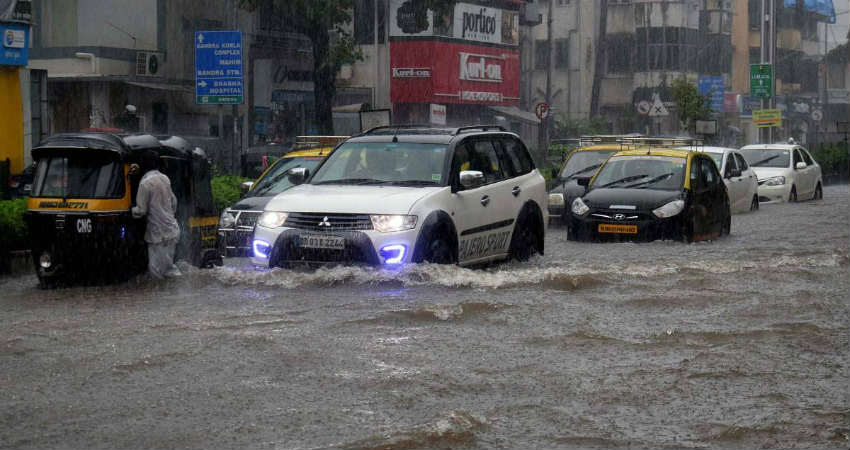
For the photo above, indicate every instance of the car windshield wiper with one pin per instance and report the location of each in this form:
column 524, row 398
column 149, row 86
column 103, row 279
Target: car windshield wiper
column 765, row 160
column 413, row 183
column 624, row 180
column 351, row 181
column 652, row 180
column 586, row 169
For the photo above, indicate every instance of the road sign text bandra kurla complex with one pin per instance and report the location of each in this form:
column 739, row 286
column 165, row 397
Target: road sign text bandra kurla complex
column 218, row 68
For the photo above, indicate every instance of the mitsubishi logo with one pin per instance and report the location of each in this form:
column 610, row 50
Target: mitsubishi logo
column 619, row 216
column 324, row 222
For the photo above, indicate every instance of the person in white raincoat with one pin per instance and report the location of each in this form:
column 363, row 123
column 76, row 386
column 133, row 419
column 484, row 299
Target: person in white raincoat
column 157, row 202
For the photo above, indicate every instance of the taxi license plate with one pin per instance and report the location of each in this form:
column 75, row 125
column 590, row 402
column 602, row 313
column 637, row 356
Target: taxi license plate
column 320, row 241
column 617, row 229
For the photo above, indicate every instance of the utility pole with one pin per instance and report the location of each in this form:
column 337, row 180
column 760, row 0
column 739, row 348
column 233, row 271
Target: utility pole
column 377, row 63
column 550, row 57
column 601, row 49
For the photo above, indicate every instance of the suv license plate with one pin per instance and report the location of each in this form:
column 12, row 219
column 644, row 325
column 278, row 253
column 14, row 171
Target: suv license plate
column 321, row 241
column 619, row 229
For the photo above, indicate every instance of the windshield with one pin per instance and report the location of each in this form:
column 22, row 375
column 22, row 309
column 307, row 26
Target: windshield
column 398, row 163
column 642, row 172
column 583, row 164
column 770, row 157
column 275, row 180
column 79, row 176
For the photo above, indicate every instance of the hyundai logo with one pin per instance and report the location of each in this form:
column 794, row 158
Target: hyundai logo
column 324, row 222
column 619, row 216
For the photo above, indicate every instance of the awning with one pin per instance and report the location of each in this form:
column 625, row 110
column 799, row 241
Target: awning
column 163, row 86
column 516, row 113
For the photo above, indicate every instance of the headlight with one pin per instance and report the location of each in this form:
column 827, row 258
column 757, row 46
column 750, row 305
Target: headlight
column 775, row 181
column 579, row 208
column 670, row 209
column 272, row 219
column 387, row 224
column 227, row 219
column 556, row 199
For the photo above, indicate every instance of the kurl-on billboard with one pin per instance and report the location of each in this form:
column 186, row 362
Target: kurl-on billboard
column 468, row 56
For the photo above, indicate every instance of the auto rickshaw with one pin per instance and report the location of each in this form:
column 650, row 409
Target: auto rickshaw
column 79, row 212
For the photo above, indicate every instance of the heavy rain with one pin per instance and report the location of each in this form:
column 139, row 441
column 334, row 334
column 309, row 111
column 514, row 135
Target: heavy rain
column 424, row 224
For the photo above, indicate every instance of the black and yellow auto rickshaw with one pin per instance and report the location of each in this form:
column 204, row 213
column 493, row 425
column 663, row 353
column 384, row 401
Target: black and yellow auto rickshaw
column 79, row 211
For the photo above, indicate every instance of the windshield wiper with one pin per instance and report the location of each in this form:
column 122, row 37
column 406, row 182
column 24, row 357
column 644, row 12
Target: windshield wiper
column 413, row 183
column 624, row 180
column 765, row 160
column 352, row 181
column 586, row 169
column 651, row 180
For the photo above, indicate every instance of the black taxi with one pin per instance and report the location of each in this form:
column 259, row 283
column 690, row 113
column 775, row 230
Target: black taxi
column 648, row 194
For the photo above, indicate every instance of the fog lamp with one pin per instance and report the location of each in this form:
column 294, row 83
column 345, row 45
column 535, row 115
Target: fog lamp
column 393, row 254
column 261, row 248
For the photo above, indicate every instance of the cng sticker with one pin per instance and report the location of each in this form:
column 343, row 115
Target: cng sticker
column 84, row 226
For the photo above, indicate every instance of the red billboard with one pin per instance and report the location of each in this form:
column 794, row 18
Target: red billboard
column 447, row 72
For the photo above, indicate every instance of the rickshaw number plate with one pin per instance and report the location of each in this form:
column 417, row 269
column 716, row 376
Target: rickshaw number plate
column 619, row 229
column 321, row 241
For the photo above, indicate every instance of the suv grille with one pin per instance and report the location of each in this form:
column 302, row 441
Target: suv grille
column 329, row 222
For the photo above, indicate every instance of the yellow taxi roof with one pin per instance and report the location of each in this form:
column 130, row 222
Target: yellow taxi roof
column 313, row 152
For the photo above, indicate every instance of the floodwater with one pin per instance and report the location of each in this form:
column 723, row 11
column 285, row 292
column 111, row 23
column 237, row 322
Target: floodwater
column 739, row 343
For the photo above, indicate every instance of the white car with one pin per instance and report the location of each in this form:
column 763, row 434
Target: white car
column 397, row 195
column 739, row 177
column 786, row 172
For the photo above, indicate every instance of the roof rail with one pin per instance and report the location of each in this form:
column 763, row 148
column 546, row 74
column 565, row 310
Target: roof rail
column 478, row 127
column 394, row 127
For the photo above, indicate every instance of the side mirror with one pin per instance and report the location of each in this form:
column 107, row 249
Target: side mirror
column 583, row 182
column 801, row 165
column 297, row 175
column 471, row 179
column 246, row 186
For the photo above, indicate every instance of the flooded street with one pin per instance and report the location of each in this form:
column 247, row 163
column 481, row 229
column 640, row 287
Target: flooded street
column 739, row 343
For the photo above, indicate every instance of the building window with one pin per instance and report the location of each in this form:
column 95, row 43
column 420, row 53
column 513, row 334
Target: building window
column 541, row 54
column 620, row 50
column 364, row 21
column 562, row 53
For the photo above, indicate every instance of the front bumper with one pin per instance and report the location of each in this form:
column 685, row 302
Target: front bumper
column 774, row 194
column 237, row 238
column 645, row 225
column 286, row 247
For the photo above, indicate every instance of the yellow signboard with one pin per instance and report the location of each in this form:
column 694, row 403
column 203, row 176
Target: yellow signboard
column 767, row 118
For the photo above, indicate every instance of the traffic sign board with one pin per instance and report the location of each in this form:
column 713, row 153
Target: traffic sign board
column 542, row 110
column 761, row 80
column 218, row 67
column 643, row 107
column 658, row 109
column 767, row 118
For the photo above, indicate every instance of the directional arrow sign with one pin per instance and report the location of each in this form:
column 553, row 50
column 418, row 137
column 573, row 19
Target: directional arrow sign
column 761, row 80
column 218, row 67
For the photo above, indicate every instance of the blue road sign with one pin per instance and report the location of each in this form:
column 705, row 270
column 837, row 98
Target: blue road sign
column 14, row 50
column 218, row 68
column 712, row 86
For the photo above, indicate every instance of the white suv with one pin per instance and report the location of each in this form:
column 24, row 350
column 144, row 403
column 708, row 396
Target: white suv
column 397, row 195
column 786, row 172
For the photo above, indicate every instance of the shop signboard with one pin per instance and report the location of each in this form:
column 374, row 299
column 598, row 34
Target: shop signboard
column 477, row 23
column 15, row 48
column 438, row 114
column 712, row 87
column 218, row 67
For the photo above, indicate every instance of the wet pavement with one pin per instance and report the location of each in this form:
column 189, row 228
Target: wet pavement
column 738, row 343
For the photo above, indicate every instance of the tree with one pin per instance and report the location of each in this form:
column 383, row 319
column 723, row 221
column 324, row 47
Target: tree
column 323, row 22
column 691, row 105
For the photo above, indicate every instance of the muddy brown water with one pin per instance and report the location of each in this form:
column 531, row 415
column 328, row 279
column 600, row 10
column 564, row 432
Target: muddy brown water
column 738, row 343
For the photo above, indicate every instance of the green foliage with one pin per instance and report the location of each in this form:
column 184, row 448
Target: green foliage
column 13, row 230
column 833, row 158
column 573, row 128
column 226, row 191
column 691, row 105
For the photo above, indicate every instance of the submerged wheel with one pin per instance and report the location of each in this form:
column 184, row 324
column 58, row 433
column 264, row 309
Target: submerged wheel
column 439, row 251
column 818, row 193
column 792, row 197
column 525, row 240
column 754, row 206
column 726, row 228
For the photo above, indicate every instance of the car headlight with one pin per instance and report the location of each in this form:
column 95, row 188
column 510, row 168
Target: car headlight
column 579, row 208
column 227, row 219
column 775, row 181
column 556, row 199
column 390, row 223
column 272, row 219
column 670, row 209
